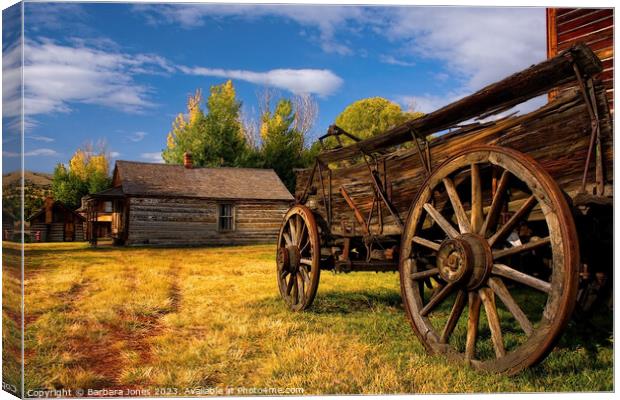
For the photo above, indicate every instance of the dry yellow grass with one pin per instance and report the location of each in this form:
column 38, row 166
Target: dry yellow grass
column 201, row 318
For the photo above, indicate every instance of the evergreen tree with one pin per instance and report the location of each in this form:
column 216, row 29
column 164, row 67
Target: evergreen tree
column 282, row 148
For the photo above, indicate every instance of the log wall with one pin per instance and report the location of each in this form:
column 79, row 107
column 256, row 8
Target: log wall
column 191, row 221
column 557, row 136
column 56, row 231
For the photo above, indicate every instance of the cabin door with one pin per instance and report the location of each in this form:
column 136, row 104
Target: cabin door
column 69, row 231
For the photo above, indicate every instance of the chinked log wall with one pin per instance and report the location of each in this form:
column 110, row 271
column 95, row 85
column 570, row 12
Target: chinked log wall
column 556, row 135
column 56, row 231
column 190, row 221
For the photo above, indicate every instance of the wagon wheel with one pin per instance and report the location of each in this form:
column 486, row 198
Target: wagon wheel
column 489, row 223
column 298, row 257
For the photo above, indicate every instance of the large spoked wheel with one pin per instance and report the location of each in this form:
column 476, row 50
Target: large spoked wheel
column 489, row 230
column 298, row 257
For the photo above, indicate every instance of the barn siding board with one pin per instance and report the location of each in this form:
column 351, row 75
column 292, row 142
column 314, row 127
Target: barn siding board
column 192, row 221
column 592, row 26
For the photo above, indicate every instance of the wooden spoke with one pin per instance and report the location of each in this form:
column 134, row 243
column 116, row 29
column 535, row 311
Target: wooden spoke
column 496, row 204
column 441, row 221
column 283, row 274
column 306, row 261
column 438, row 298
column 473, row 316
column 522, row 248
column 305, row 275
column 488, row 300
column 287, row 239
column 426, row 243
column 504, row 295
column 305, row 246
column 302, row 288
column 293, row 229
column 455, row 314
column 295, row 294
column 457, row 206
column 424, row 274
column 289, row 285
column 518, row 276
column 508, row 226
column 476, row 199
column 301, row 234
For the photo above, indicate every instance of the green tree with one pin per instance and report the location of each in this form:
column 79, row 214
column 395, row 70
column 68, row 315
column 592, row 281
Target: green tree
column 282, row 144
column 88, row 173
column 215, row 136
column 68, row 187
column 368, row 117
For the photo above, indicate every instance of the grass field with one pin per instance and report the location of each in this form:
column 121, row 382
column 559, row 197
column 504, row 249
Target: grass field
column 145, row 318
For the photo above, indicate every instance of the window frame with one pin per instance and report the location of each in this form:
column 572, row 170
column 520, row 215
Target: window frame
column 220, row 216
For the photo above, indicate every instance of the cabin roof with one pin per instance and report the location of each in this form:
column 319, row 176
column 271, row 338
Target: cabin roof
column 57, row 204
column 148, row 179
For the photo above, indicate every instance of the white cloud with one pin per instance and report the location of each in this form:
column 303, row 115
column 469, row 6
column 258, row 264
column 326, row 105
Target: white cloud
column 321, row 82
column 388, row 59
column 57, row 75
column 40, row 138
column 114, row 154
column 11, row 82
column 154, row 157
column 325, row 20
column 137, row 136
column 478, row 45
column 32, row 153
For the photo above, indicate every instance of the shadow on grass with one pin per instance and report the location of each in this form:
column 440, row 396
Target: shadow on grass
column 340, row 303
column 346, row 302
column 590, row 333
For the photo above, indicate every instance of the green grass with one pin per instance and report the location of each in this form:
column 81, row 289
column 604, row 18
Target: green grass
column 147, row 318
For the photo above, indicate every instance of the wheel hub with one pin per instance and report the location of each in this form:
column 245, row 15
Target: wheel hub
column 288, row 258
column 466, row 259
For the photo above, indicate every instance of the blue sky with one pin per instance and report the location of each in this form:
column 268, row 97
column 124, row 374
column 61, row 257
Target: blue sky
column 120, row 73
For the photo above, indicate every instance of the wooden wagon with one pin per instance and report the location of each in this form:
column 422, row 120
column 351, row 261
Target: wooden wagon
column 476, row 209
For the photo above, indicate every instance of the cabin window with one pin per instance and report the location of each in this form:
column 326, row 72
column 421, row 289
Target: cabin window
column 107, row 206
column 225, row 217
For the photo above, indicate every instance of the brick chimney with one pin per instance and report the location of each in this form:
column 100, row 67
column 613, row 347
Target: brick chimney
column 187, row 160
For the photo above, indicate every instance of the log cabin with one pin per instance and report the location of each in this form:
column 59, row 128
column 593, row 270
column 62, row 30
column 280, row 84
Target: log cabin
column 179, row 205
column 8, row 225
column 55, row 222
column 592, row 26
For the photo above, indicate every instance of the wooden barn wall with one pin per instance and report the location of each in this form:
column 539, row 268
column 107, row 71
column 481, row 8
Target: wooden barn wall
column 594, row 27
column 56, row 232
column 180, row 221
column 557, row 136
